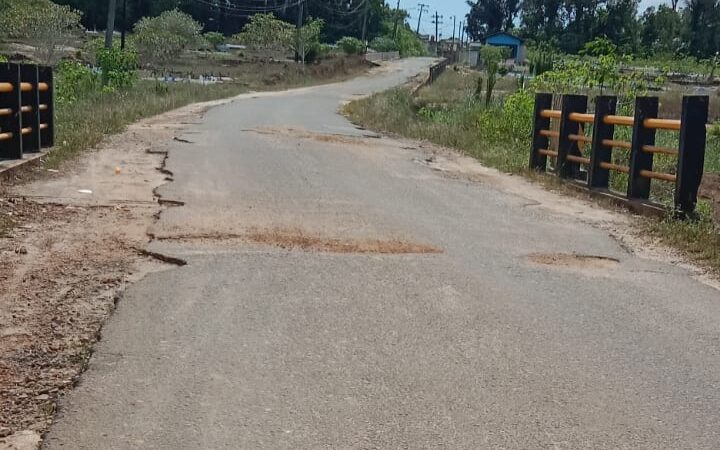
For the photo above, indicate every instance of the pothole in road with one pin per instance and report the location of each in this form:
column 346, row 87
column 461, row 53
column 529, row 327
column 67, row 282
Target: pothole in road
column 574, row 261
column 296, row 239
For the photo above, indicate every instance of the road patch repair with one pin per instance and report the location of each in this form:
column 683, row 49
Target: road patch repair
column 574, row 261
column 299, row 239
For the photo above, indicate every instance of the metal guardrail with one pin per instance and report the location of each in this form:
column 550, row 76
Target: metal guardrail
column 26, row 109
column 571, row 140
column 437, row 70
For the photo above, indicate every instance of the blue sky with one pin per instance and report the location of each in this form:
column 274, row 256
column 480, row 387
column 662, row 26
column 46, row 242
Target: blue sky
column 459, row 8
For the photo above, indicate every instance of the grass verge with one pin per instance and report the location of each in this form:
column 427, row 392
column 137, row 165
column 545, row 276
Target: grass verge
column 499, row 136
column 84, row 123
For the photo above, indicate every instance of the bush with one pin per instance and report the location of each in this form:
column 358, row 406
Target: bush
column 214, row 39
column 351, row 46
column 73, row 81
column 384, row 44
column 49, row 26
column 162, row 38
column 517, row 114
column 118, row 67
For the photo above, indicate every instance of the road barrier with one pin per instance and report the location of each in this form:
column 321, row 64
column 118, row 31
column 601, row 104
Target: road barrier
column 26, row 109
column 570, row 138
column 437, row 70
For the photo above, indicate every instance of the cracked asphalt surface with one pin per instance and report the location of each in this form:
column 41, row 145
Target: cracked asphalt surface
column 255, row 346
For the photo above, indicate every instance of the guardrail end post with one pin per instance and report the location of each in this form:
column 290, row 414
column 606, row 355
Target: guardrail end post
column 47, row 136
column 11, row 148
column 31, row 119
column 639, row 186
column 599, row 178
column 538, row 161
column 691, row 153
column 570, row 104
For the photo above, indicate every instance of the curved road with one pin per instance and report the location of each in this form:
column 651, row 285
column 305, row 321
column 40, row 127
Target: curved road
column 340, row 293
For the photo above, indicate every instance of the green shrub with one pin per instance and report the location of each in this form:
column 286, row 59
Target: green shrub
column 118, row 67
column 384, row 44
column 214, row 39
column 73, row 81
column 517, row 114
column 351, row 46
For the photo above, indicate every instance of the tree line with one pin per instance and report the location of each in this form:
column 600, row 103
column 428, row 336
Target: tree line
column 691, row 28
column 341, row 17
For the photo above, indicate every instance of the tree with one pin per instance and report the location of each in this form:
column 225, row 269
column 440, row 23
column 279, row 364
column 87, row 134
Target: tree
column 307, row 38
column 620, row 24
column 660, row 30
column 541, row 19
column 492, row 56
column 162, row 38
column 47, row 25
column 702, row 32
column 490, row 16
column 266, row 32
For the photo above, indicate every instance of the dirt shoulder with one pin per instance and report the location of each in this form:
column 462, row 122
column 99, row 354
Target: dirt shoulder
column 74, row 239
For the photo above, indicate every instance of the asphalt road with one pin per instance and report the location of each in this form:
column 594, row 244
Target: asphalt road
column 494, row 342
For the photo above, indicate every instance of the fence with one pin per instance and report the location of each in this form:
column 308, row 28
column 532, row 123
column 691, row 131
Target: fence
column 571, row 139
column 26, row 109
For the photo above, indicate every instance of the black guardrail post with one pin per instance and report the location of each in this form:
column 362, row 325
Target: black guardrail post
column 599, row 178
column 31, row 100
column 691, row 152
column 570, row 104
column 11, row 121
column 639, row 186
column 538, row 161
column 47, row 115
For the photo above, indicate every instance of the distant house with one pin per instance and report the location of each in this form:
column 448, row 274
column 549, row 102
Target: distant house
column 514, row 43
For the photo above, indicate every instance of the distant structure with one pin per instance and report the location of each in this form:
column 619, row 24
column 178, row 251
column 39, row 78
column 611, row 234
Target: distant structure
column 514, row 43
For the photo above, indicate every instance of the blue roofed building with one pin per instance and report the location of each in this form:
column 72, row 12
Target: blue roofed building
column 514, row 43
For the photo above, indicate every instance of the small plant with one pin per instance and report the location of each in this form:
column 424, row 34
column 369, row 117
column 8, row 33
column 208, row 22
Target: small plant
column 73, row 81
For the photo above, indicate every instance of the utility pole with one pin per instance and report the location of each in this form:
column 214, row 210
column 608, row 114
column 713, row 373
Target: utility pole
column 110, row 29
column 397, row 19
column 454, row 25
column 437, row 25
column 423, row 8
column 124, row 28
column 365, row 19
column 300, row 54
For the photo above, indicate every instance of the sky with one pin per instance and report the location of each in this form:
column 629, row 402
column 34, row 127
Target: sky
column 459, row 8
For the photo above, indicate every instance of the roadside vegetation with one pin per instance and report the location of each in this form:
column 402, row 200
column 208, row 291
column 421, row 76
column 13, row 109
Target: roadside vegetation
column 489, row 115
